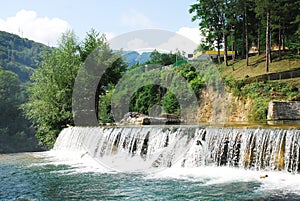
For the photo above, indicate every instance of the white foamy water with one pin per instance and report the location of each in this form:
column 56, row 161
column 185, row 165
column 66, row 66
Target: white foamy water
column 225, row 175
column 80, row 162
column 212, row 156
column 146, row 148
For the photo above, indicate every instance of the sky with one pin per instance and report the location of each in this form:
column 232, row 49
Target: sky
column 45, row 21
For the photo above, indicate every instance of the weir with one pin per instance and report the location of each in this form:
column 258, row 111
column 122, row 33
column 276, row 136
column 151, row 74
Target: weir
column 139, row 148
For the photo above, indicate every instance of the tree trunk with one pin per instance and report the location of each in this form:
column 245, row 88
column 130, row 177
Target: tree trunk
column 225, row 49
column 235, row 51
column 218, row 46
column 258, row 40
column 232, row 47
column 282, row 40
column 243, row 52
column 279, row 43
column 268, row 44
column 246, row 38
column 225, row 41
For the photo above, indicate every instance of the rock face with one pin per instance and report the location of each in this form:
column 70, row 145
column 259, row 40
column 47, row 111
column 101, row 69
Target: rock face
column 288, row 110
column 136, row 118
column 220, row 108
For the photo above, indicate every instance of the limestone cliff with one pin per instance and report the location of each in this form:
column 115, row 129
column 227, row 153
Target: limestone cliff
column 222, row 107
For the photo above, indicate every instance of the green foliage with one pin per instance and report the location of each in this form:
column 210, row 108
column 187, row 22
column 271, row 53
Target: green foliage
column 262, row 93
column 272, row 90
column 105, row 115
column 197, row 84
column 164, row 59
column 194, row 77
column 235, row 86
column 259, row 109
column 170, row 104
column 239, row 24
column 15, row 133
column 210, row 74
column 20, row 55
column 50, row 95
column 146, row 97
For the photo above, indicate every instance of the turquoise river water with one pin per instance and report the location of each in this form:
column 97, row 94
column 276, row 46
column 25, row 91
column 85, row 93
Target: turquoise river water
column 47, row 176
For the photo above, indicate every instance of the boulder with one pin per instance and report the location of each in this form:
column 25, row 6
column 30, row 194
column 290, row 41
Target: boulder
column 136, row 118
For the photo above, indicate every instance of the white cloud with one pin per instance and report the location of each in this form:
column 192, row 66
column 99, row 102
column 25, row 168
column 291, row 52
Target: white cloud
column 193, row 34
column 150, row 39
column 40, row 29
column 179, row 42
column 137, row 43
column 134, row 18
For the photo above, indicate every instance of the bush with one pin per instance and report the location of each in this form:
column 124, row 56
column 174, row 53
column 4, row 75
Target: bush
column 261, row 93
column 170, row 104
column 259, row 109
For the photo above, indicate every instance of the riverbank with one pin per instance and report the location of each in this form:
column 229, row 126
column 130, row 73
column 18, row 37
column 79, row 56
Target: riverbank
column 248, row 90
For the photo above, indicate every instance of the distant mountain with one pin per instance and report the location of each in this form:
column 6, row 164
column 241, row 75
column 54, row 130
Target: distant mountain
column 130, row 57
column 20, row 55
column 144, row 57
column 133, row 57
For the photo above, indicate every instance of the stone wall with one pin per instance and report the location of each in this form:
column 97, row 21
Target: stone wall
column 274, row 76
column 285, row 110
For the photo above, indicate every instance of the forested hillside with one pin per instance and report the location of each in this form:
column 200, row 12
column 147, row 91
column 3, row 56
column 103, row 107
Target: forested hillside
column 19, row 55
column 16, row 133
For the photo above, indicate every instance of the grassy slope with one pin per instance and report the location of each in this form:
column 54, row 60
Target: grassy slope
column 257, row 67
column 261, row 93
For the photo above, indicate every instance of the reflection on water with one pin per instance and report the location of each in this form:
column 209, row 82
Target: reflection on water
column 42, row 176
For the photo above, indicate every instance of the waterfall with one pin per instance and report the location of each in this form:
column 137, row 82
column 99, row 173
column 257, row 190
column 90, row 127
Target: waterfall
column 148, row 147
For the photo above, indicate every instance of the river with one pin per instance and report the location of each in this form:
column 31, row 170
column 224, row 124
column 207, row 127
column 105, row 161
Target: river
column 57, row 176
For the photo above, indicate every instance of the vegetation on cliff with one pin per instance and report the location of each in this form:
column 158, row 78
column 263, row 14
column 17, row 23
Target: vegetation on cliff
column 244, row 26
column 239, row 83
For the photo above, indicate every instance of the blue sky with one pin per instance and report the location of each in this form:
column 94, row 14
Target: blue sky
column 44, row 21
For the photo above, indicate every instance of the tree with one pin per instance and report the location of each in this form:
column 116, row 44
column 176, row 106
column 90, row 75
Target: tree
column 105, row 114
column 14, row 132
column 246, row 33
column 9, row 101
column 209, row 15
column 247, row 19
column 263, row 9
column 164, row 58
column 284, row 20
column 19, row 55
column 50, row 95
column 216, row 21
column 170, row 104
column 96, row 54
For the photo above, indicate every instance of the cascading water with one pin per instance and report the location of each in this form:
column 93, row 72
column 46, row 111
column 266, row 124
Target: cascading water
column 143, row 147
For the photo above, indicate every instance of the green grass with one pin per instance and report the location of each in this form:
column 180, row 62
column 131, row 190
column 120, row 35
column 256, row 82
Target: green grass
column 294, row 82
column 261, row 92
column 238, row 70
